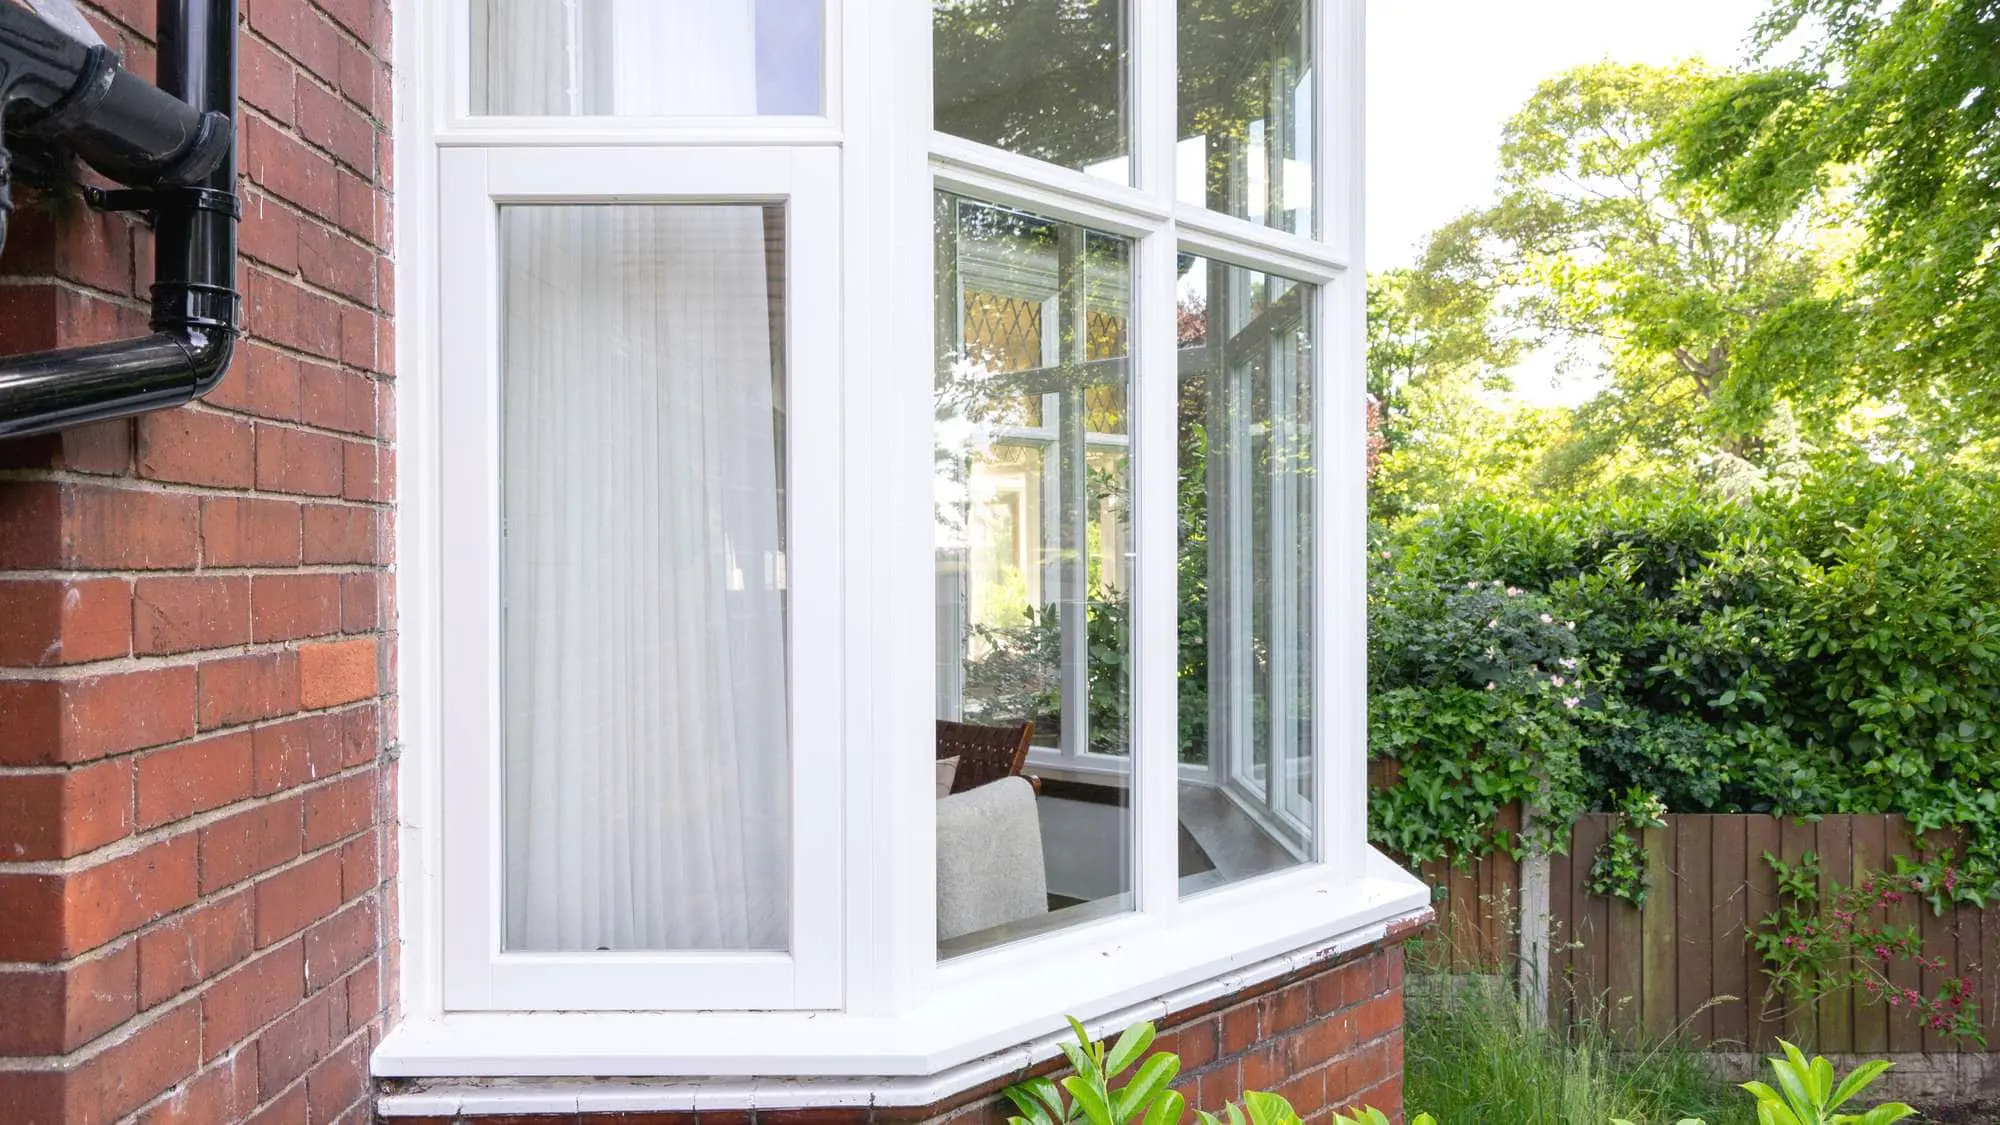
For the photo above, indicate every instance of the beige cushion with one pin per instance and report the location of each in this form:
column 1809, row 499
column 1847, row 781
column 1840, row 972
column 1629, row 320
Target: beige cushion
column 947, row 772
column 989, row 858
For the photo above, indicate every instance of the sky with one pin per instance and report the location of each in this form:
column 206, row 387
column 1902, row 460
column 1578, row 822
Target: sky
column 1444, row 76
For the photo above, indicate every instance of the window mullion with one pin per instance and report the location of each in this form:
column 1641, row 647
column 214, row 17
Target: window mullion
column 1155, row 646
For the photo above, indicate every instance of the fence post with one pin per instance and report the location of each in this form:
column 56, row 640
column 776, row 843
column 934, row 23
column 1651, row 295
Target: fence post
column 1533, row 978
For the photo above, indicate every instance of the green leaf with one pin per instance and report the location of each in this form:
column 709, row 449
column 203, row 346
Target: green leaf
column 1863, row 1077
column 1130, row 1046
column 1089, row 1096
column 1167, row 1109
column 1153, row 1076
column 1033, row 1111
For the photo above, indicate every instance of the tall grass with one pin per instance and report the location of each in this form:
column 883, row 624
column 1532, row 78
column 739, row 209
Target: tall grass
column 1472, row 1055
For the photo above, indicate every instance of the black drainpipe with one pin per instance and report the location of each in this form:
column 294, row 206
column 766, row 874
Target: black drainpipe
column 175, row 146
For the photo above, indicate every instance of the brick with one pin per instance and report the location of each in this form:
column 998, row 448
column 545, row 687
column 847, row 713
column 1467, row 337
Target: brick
column 193, row 777
column 298, row 31
column 1284, row 1009
column 53, row 1011
column 339, row 1081
column 1264, row 1067
column 339, row 944
column 360, row 598
column 364, row 995
column 265, row 79
column 193, row 446
column 298, row 461
column 337, row 534
column 49, row 917
column 294, row 898
column 357, row 78
column 1239, row 1029
column 1342, row 987
column 126, row 529
column 58, row 721
column 336, row 673
column 360, row 479
column 58, row 815
column 102, row 448
column 223, row 1092
column 247, row 688
column 250, row 532
column 171, row 615
column 49, row 622
column 331, row 124
column 335, row 811
column 336, row 399
column 287, row 607
column 288, row 170
column 270, row 232
column 133, row 1071
column 1378, row 1017
column 290, row 1108
column 192, row 947
column 261, row 381
column 251, row 996
column 1328, row 1038
column 360, row 866
column 297, row 751
column 250, row 843
column 359, row 209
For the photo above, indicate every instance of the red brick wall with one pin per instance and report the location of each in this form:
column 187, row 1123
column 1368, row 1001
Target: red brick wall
column 1329, row 1038
column 195, row 655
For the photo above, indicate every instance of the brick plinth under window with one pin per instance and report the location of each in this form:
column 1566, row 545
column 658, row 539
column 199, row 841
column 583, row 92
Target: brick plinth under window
column 1328, row 1038
column 194, row 656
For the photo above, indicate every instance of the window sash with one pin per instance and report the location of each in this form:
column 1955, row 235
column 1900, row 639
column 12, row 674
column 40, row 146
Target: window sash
column 478, row 975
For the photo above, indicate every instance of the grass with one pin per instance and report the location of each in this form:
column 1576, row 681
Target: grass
column 1472, row 1057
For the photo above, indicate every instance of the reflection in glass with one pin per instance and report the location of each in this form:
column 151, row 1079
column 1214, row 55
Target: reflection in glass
column 644, row 763
column 1247, row 570
column 1044, row 78
column 1033, row 532
column 1246, row 123
column 573, row 58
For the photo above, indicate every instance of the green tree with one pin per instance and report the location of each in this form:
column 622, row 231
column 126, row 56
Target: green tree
column 1904, row 95
column 1704, row 318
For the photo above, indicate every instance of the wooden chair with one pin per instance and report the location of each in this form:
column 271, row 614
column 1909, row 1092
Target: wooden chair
column 984, row 753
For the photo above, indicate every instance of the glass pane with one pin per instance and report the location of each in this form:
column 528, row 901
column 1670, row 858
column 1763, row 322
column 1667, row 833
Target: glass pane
column 645, row 744
column 572, row 58
column 1033, row 526
column 1044, row 78
column 1247, row 570
column 1246, row 121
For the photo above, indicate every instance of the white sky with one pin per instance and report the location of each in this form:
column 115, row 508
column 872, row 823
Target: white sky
column 1444, row 76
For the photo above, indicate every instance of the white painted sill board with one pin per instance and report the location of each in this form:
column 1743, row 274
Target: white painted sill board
column 979, row 1016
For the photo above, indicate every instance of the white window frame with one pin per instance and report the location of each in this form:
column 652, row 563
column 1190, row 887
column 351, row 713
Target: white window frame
column 474, row 184
column 900, row 1012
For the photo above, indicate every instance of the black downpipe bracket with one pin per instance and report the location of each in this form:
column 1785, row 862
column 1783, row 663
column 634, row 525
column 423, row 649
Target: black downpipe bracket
column 174, row 146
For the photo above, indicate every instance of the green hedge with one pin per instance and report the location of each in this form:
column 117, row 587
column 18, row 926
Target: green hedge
column 1830, row 646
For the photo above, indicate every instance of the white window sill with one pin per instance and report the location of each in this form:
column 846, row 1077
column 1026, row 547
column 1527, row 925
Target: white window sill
column 986, row 1015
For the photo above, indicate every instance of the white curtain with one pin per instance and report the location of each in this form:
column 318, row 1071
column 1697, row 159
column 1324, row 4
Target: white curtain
column 626, row 57
column 645, row 751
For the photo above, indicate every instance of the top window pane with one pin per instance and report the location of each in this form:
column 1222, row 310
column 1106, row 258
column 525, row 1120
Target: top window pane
column 646, row 58
column 1246, row 122
column 1045, row 78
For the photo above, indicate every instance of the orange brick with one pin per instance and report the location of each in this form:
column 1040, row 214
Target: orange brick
column 287, row 607
column 341, row 672
column 249, row 843
column 249, row 532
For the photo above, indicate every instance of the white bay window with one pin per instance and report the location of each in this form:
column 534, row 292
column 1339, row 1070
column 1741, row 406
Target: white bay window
column 882, row 529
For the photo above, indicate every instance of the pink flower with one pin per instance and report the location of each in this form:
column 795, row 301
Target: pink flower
column 1571, row 702
column 1557, row 681
column 1548, row 619
column 1513, row 591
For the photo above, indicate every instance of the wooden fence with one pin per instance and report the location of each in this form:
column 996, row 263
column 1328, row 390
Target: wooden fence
column 1669, row 966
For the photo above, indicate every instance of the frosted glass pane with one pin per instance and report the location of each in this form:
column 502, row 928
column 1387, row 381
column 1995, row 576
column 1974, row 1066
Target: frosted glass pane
column 646, row 57
column 645, row 752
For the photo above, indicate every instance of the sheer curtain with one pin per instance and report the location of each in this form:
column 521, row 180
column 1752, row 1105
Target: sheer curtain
column 645, row 751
